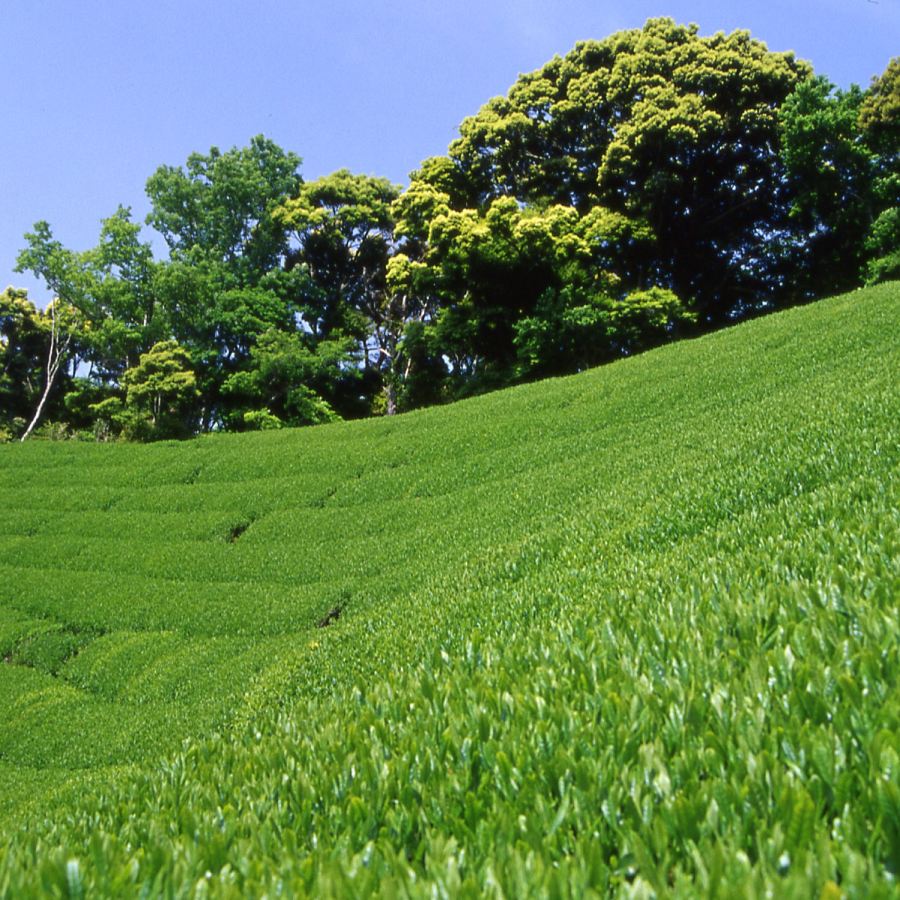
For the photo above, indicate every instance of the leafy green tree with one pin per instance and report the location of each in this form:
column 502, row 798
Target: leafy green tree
column 527, row 291
column 110, row 309
column 341, row 228
column 223, row 287
column 831, row 173
column 493, row 269
column 83, row 397
column 416, row 373
column 667, row 127
column 127, row 315
column 572, row 330
column 38, row 357
column 879, row 114
column 842, row 156
column 882, row 246
column 225, row 284
column 879, row 122
column 112, row 286
column 60, row 269
column 218, row 208
column 63, row 324
column 159, row 396
column 288, row 381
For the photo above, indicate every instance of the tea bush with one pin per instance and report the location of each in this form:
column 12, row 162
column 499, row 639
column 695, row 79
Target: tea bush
column 632, row 632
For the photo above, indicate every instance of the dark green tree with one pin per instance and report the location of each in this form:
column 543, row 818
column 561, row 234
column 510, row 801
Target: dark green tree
column 523, row 291
column 660, row 124
column 879, row 122
column 842, row 158
column 831, row 175
column 289, row 380
column 341, row 228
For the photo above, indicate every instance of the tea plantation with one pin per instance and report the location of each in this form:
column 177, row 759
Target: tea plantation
column 633, row 632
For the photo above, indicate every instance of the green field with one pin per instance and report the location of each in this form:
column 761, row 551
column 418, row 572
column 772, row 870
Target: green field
column 633, row 631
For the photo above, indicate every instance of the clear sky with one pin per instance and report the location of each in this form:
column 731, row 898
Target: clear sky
column 96, row 94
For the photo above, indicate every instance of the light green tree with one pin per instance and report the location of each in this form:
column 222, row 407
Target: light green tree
column 160, row 395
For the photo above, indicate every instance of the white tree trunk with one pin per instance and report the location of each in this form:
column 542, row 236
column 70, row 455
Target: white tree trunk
column 55, row 356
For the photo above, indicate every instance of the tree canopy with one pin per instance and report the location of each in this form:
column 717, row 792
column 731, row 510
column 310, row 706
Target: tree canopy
column 674, row 130
column 646, row 186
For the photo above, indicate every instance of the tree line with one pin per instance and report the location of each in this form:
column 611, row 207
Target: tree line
column 651, row 185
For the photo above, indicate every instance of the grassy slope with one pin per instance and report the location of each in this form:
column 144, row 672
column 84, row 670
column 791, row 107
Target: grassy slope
column 636, row 627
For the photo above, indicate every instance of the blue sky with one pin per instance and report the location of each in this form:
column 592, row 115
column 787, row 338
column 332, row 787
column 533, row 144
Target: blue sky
column 97, row 93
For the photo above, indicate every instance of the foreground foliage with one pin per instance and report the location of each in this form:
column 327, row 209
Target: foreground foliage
column 629, row 632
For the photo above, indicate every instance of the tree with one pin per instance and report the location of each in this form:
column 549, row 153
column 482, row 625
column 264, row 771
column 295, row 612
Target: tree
column 218, row 208
column 414, row 370
column 659, row 124
column 289, row 381
column 342, row 236
column 160, row 394
column 62, row 328
column 572, row 330
column 879, row 114
column 120, row 280
column 518, row 291
column 493, row 270
column 830, row 172
column 60, row 270
column 842, row 158
column 112, row 286
column 879, row 122
column 25, row 349
column 225, row 285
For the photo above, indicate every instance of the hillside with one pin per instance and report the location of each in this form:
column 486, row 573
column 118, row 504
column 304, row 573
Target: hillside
column 633, row 629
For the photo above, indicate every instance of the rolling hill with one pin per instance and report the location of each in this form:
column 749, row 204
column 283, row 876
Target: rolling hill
column 629, row 631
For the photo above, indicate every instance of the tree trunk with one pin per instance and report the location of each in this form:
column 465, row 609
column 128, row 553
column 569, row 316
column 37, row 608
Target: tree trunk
column 40, row 407
column 390, row 390
column 54, row 358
